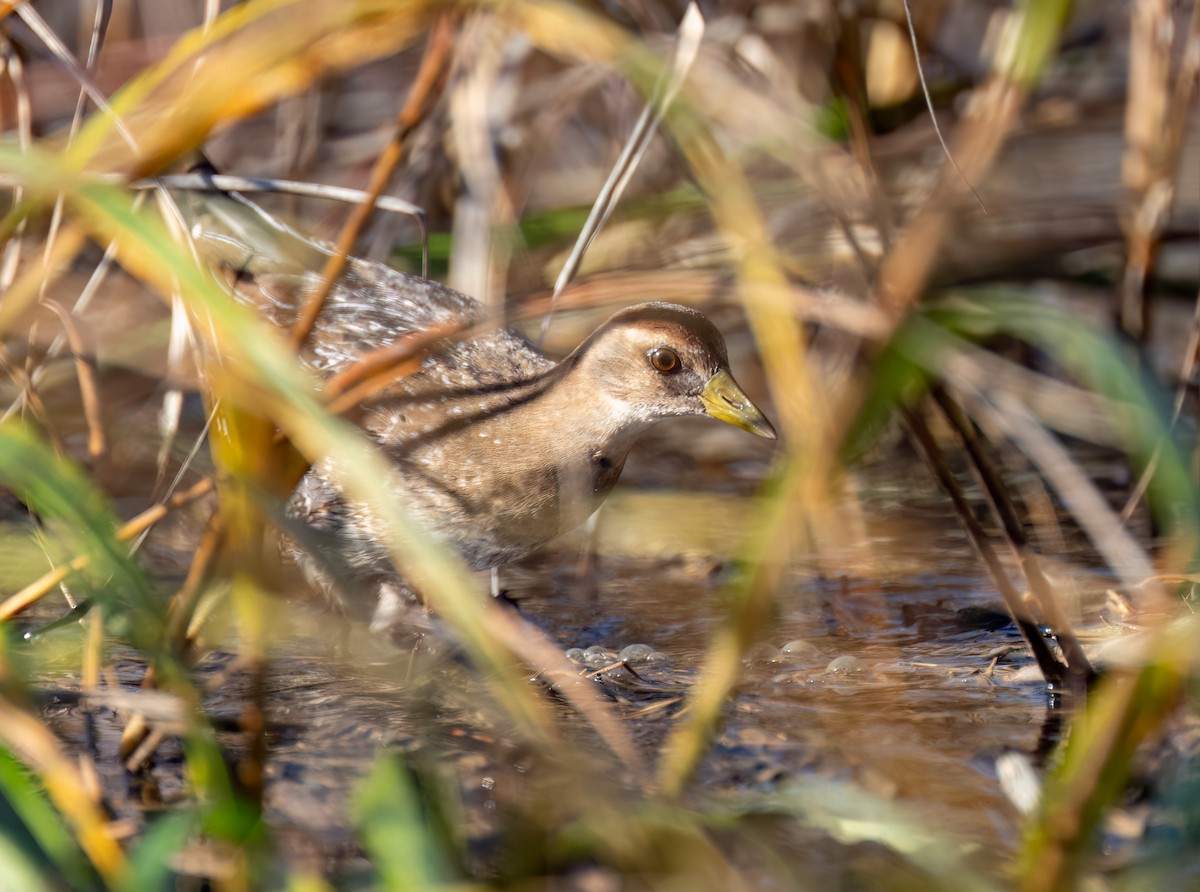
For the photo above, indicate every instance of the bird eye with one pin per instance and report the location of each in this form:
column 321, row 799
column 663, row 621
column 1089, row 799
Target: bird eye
column 664, row 360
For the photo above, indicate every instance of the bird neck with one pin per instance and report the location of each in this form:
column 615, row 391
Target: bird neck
column 599, row 422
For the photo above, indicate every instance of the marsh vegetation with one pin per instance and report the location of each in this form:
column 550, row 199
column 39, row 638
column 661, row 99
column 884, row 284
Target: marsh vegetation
column 941, row 635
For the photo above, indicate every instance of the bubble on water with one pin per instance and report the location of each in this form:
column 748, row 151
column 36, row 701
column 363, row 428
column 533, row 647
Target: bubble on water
column 800, row 650
column 637, row 653
column 845, row 665
column 763, row 653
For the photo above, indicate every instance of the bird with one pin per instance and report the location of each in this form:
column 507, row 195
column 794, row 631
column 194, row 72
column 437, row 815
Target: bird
column 493, row 447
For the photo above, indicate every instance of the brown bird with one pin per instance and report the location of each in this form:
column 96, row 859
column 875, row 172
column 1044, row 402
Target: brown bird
column 494, row 448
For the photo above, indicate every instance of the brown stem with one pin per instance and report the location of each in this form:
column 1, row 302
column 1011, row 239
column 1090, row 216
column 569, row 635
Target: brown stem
column 1006, row 515
column 28, row 596
column 85, row 371
column 416, row 108
column 1052, row 670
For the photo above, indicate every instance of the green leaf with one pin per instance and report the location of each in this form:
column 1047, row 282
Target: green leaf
column 150, row 863
column 396, row 830
column 60, row 492
column 18, row 872
column 851, row 816
column 34, row 827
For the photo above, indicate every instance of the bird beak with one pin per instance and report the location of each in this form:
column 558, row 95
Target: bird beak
column 727, row 402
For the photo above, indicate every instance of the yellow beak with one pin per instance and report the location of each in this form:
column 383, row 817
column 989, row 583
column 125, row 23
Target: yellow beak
column 727, row 402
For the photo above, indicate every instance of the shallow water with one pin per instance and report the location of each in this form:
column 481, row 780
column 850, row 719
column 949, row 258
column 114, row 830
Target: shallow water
column 898, row 676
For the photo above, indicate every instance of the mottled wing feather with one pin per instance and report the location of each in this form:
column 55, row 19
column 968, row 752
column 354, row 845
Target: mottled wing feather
column 370, row 307
column 426, row 422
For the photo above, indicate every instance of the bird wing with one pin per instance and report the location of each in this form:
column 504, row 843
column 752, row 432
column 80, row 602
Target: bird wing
column 273, row 268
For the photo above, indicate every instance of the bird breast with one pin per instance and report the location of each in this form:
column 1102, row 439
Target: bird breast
column 494, row 476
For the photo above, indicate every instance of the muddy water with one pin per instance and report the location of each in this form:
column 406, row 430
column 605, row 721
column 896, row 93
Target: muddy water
column 902, row 685
column 894, row 673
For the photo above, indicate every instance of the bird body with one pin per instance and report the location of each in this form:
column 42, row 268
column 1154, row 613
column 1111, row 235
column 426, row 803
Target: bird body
column 492, row 446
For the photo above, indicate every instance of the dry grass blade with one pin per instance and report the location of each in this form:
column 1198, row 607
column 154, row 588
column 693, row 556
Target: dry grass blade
column 1052, row 670
column 487, row 60
column 379, row 368
column 93, row 651
column 1001, row 411
column 250, row 57
column 1145, row 123
column 804, row 488
column 46, row 34
column 828, row 309
column 1155, row 120
column 1078, row 666
column 26, row 290
column 687, row 45
column 416, row 107
column 32, row 741
column 809, row 475
column 85, row 371
column 180, row 345
column 98, row 27
column 723, row 661
column 28, row 596
column 220, row 182
column 1032, row 35
column 85, row 298
column 937, row 129
column 182, row 609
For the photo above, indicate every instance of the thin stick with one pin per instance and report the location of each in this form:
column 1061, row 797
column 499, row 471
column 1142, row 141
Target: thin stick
column 52, row 42
column 85, row 371
column 1089, row 507
column 32, row 593
column 1006, row 515
column 221, row 182
column 416, row 108
column 183, row 604
column 912, row 36
column 12, row 66
column 687, row 45
column 139, row 739
column 1052, row 670
column 377, row 369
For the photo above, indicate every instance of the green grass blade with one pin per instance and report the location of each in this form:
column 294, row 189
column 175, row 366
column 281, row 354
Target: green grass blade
column 395, row 831
column 18, row 870
column 31, row 823
column 149, row 866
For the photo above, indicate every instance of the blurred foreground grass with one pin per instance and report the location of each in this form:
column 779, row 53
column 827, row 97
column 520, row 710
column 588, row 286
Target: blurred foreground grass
column 848, row 346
